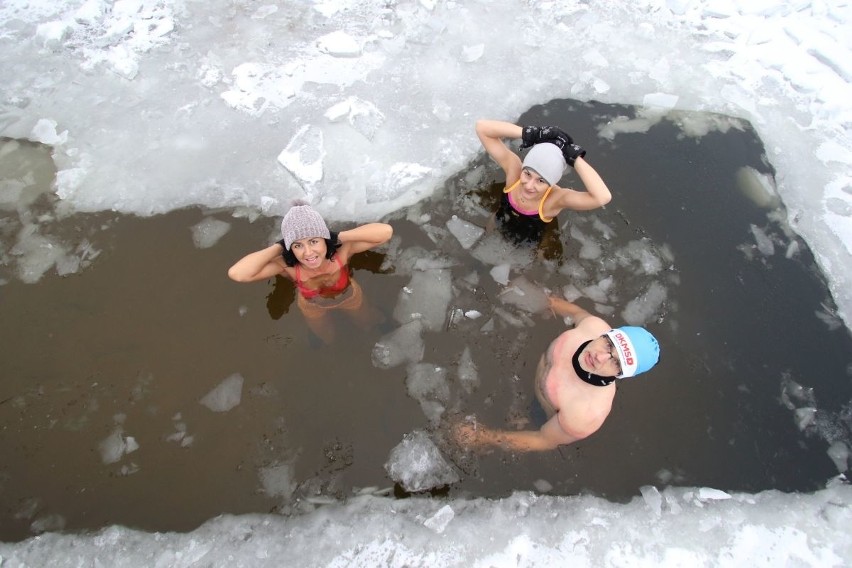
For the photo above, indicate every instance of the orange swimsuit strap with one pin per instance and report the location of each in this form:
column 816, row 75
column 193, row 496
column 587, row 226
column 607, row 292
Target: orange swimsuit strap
column 541, row 215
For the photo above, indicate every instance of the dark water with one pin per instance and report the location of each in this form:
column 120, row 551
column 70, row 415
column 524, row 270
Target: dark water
column 153, row 324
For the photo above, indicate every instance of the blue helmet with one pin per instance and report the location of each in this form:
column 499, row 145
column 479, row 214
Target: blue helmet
column 637, row 349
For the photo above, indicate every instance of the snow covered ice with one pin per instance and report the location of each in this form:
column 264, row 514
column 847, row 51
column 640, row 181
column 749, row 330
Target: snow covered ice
column 366, row 107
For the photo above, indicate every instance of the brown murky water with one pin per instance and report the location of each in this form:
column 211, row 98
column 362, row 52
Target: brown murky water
column 129, row 345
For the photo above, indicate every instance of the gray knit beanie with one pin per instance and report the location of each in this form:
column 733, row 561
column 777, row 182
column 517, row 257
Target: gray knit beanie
column 302, row 222
column 547, row 160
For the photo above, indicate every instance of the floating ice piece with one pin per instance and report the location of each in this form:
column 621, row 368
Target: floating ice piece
column 226, row 395
column 439, row 521
column 542, row 486
column 805, row 417
column 467, row 372
column 278, row 480
column 427, row 381
column 417, row 464
column 404, row 345
column 208, row 231
column 758, row 187
column 426, row 297
column 303, row 157
column 642, row 310
column 339, row 44
column 114, row 446
column 525, row 295
column 763, row 241
column 839, row 454
column 500, row 273
column 464, row 231
column 473, row 314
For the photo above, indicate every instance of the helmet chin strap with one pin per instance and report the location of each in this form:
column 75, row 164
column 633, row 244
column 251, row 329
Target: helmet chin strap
column 586, row 376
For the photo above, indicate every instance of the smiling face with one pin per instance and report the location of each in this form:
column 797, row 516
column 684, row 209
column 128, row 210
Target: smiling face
column 310, row 252
column 600, row 357
column 533, row 185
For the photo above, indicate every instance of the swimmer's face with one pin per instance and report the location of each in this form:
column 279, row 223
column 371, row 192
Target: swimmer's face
column 601, row 358
column 310, row 252
column 532, row 183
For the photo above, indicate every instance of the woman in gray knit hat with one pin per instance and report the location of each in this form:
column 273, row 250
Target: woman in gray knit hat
column 317, row 261
column 532, row 198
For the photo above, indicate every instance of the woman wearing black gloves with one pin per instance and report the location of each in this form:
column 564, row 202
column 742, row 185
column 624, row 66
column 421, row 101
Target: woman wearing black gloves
column 532, row 197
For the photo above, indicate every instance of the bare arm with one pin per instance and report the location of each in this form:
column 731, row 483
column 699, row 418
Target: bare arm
column 564, row 308
column 549, row 437
column 365, row 237
column 259, row 265
column 491, row 133
column 597, row 194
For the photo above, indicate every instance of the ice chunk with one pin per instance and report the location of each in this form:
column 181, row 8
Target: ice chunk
column 764, row 243
column 362, row 115
column 471, row 53
column 542, row 486
column 226, row 395
column 439, row 521
column 208, row 231
column 387, row 185
column 492, row 249
column 758, row 187
column 44, row 131
column 839, row 454
column 417, row 464
column 304, row 154
column 426, row 297
column 339, row 44
column 500, row 273
column 525, row 295
column 467, row 372
column 403, row 345
column 114, row 446
column 652, row 498
column 425, row 381
column 805, row 417
column 467, row 233
column 278, row 480
column 710, row 494
column 661, row 100
column 642, row 310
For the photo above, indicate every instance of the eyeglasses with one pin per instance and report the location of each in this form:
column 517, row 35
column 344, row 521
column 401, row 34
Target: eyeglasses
column 613, row 353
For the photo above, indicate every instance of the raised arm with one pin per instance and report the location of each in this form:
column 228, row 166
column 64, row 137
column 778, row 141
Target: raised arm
column 259, row 265
column 491, row 133
column 365, row 237
column 597, row 194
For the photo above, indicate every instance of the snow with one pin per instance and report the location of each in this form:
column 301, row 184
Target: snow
column 367, row 107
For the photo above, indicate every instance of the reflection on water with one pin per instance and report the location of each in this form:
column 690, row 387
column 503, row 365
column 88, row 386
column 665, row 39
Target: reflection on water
column 104, row 368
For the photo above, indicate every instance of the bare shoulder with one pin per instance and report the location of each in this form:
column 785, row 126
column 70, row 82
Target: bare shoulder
column 593, row 326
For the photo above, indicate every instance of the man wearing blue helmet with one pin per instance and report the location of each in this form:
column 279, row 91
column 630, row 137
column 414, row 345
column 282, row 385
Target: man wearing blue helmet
column 575, row 381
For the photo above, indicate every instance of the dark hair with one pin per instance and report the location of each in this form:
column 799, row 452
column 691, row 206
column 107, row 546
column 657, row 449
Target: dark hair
column 331, row 244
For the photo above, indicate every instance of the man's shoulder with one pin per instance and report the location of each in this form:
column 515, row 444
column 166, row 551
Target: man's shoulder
column 592, row 326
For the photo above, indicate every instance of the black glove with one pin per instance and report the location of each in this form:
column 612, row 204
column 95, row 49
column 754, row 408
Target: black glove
column 571, row 152
column 532, row 135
